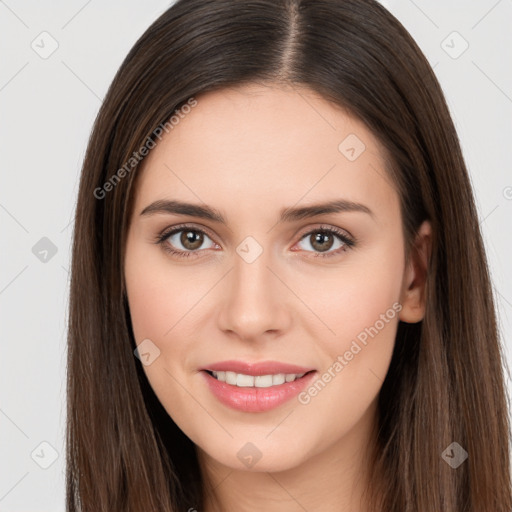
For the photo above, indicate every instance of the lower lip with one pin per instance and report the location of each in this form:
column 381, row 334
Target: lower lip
column 256, row 399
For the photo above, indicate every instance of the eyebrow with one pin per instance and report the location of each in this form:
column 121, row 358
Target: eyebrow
column 286, row 215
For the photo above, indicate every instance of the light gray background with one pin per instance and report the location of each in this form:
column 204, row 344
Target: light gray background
column 47, row 107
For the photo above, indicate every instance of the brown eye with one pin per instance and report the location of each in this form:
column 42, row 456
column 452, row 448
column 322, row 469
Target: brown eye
column 326, row 241
column 191, row 240
column 321, row 241
column 186, row 240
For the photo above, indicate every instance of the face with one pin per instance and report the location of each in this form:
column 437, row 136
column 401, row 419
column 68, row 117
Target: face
column 268, row 325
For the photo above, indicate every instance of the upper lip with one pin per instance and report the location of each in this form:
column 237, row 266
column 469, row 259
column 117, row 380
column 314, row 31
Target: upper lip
column 255, row 369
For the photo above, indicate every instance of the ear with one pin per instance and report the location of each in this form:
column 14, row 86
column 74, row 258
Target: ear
column 413, row 291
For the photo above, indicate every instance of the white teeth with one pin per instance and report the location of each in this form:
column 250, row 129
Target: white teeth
column 278, row 379
column 244, row 381
column 231, row 378
column 263, row 381
column 260, row 381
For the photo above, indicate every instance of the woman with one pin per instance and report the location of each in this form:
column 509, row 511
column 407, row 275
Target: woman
column 280, row 297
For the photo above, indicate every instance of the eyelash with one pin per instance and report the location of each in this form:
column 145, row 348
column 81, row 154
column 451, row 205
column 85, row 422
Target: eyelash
column 348, row 243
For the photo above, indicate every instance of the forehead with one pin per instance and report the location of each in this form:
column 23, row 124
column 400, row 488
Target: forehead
column 257, row 144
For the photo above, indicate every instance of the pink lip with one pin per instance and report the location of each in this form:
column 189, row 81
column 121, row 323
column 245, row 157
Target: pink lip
column 255, row 369
column 252, row 399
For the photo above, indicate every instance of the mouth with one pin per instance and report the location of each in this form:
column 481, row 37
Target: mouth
column 258, row 387
column 242, row 380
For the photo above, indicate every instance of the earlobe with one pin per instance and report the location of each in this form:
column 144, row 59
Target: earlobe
column 415, row 276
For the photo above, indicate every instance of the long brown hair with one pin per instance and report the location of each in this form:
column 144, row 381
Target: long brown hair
column 445, row 383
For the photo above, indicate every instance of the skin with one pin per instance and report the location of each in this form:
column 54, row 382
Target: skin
column 249, row 152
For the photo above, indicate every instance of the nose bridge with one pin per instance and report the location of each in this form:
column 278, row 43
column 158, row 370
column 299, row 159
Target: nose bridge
column 252, row 277
column 252, row 300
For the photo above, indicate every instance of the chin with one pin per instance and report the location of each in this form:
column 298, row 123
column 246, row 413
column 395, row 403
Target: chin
column 257, row 454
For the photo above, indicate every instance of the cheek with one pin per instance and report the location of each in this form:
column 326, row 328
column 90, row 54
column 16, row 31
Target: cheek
column 158, row 297
column 361, row 309
column 161, row 305
column 366, row 306
column 353, row 296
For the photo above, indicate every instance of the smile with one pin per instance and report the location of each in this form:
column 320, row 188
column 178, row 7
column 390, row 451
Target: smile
column 256, row 387
column 260, row 381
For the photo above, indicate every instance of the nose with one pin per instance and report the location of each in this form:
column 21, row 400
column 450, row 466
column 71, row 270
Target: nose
column 255, row 304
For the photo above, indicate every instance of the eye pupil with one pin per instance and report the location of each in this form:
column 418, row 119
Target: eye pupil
column 191, row 239
column 319, row 239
